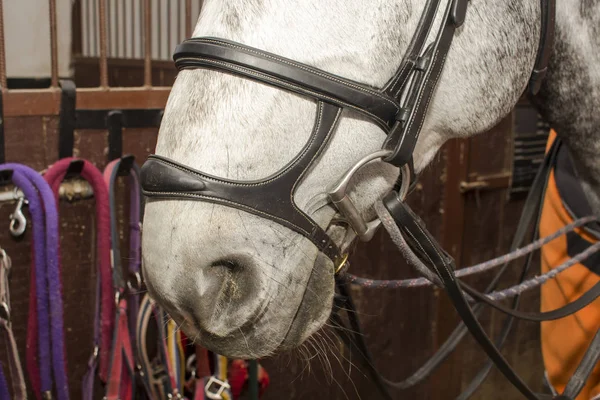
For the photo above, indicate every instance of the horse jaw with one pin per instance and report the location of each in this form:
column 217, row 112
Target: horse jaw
column 242, row 285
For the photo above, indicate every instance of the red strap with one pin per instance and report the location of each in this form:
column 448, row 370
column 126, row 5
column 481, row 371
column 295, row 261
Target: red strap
column 199, row 392
column 120, row 378
column 32, row 340
column 202, row 372
column 238, row 376
column 202, row 362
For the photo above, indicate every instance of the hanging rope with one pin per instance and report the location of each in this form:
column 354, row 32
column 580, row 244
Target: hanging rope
column 389, row 224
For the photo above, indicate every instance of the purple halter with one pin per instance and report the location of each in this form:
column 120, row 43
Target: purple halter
column 47, row 368
column 124, row 337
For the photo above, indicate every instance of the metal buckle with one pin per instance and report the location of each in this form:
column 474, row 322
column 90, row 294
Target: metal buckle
column 134, row 283
column 364, row 230
column 5, row 261
column 343, row 261
column 223, row 385
column 190, row 365
column 5, row 311
column 18, row 222
column 119, row 295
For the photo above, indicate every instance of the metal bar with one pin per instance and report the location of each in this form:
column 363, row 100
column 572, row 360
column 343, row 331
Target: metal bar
column 188, row 19
column 117, row 42
column 109, row 27
column 77, row 29
column 53, row 45
column 139, row 37
column 88, row 32
column 124, row 26
column 95, row 27
column 2, row 50
column 159, row 34
column 169, row 28
column 147, row 43
column 103, row 38
column 132, row 10
column 181, row 27
column 487, row 182
column 77, row 189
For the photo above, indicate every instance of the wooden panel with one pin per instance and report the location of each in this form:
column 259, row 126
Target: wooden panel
column 490, row 222
column 122, row 72
column 46, row 102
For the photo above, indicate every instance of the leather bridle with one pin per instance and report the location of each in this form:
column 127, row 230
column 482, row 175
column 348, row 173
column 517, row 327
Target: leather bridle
column 399, row 109
column 273, row 197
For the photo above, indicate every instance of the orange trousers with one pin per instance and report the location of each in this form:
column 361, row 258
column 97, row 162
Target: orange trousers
column 565, row 341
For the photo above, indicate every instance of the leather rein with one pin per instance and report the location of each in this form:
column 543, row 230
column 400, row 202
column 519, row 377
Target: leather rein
column 399, row 109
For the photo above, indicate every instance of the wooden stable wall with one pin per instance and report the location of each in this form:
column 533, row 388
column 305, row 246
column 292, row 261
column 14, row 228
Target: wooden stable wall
column 404, row 328
column 32, row 140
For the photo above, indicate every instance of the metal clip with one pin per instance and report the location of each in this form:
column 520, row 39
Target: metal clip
column 118, row 297
column 18, row 222
column 190, row 365
column 5, row 260
column 222, row 386
column 4, row 312
column 134, row 283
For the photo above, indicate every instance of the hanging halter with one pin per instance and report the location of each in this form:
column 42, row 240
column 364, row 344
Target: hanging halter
column 105, row 304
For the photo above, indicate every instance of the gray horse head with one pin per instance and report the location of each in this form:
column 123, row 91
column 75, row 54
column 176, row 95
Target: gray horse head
column 246, row 286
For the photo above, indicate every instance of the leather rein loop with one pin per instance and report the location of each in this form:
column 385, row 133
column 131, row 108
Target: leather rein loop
column 122, row 370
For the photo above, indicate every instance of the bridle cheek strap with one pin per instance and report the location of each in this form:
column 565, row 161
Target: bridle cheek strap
column 271, row 198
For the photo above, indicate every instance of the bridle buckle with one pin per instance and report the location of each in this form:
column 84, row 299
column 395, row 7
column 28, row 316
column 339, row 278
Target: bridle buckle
column 341, row 263
column 222, row 386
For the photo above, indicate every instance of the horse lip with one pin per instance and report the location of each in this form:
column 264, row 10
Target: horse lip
column 245, row 327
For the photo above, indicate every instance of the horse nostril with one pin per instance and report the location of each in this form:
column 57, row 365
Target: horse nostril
column 227, row 264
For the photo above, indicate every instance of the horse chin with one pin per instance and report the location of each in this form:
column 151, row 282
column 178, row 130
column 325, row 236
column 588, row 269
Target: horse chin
column 315, row 308
column 282, row 321
column 266, row 336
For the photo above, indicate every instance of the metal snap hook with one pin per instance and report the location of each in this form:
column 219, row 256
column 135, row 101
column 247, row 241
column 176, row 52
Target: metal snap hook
column 18, row 222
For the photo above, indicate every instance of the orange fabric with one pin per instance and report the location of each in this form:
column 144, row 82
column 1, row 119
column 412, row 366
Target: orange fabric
column 565, row 341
